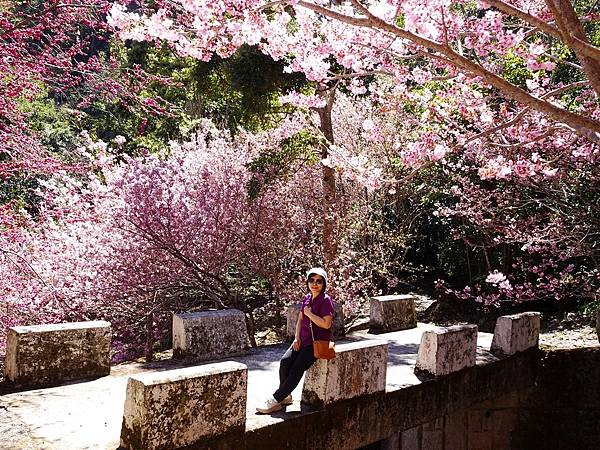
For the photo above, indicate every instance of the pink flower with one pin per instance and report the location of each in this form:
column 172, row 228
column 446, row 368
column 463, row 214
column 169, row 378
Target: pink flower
column 495, row 277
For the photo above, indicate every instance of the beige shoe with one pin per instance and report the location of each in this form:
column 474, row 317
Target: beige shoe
column 287, row 401
column 271, row 405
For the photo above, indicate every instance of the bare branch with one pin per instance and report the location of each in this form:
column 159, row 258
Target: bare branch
column 544, row 135
column 343, row 76
column 524, row 111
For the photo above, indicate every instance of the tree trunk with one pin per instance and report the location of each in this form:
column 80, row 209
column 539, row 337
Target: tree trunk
column 598, row 323
column 250, row 328
column 570, row 29
column 330, row 213
column 597, row 298
column 149, row 338
column 278, row 305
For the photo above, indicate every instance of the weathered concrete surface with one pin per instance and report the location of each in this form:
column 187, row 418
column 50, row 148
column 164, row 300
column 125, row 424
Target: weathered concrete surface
column 359, row 368
column 88, row 415
column 516, row 333
column 45, row 355
column 446, row 350
column 563, row 409
column 392, row 313
column 486, row 425
column 176, row 408
column 337, row 328
column 210, row 335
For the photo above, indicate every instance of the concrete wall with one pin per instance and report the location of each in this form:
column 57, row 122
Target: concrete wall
column 49, row 354
column 563, row 409
column 365, row 420
column 485, row 425
column 560, row 411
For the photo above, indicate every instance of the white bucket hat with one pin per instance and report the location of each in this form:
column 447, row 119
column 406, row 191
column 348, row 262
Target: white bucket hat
column 317, row 271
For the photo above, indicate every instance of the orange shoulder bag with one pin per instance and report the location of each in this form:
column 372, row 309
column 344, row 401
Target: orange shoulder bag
column 322, row 349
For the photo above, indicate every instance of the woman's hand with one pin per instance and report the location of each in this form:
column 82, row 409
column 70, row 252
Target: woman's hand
column 321, row 322
column 296, row 344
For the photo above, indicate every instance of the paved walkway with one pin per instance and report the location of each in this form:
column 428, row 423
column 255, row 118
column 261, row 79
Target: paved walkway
column 87, row 415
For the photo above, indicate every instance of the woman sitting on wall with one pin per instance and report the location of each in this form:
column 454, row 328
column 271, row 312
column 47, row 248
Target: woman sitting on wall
column 317, row 307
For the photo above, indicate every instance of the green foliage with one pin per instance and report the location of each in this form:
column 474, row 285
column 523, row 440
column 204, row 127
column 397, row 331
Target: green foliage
column 241, row 91
column 55, row 131
column 20, row 191
column 590, row 309
column 53, row 123
column 278, row 163
column 515, row 71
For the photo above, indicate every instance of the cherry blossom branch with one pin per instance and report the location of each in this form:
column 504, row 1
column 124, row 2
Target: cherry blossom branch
column 24, row 261
column 584, row 47
column 571, row 29
column 521, row 113
column 562, row 61
column 544, row 135
column 357, row 75
column 584, row 126
column 30, row 19
column 357, row 21
column 444, row 27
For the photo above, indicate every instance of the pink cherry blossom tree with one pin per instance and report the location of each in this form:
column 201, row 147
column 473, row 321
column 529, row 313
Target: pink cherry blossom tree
column 448, row 40
column 452, row 62
column 160, row 234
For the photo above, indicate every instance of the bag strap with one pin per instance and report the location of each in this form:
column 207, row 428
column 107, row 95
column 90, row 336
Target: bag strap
column 311, row 330
column 310, row 326
column 310, row 322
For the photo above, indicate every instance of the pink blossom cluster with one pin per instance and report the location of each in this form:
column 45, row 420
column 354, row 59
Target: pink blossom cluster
column 152, row 232
column 463, row 47
column 531, row 228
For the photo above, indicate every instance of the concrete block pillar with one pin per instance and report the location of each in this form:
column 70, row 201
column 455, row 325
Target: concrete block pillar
column 293, row 311
column 44, row 355
column 183, row 407
column 358, row 369
column 393, row 313
column 516, row 333
column 447, row 350
column 210, row 335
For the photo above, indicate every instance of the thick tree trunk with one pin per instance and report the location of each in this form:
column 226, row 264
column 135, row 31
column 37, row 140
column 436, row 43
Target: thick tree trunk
column 330, row 213
column 570, row 29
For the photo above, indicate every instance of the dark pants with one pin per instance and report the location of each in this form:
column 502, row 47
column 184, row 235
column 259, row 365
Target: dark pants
column 291, row 368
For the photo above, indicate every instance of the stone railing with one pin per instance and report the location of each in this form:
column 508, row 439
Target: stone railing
column 178, row 408
column 45, row 355
column 392, row 313
column 359, row 368
column 205, row 406
column 210, row 335
column 447, row 350
column 516, row 333
column 162, row 408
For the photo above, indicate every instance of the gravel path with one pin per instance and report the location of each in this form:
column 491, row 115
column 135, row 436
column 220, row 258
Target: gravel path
column 584, row 336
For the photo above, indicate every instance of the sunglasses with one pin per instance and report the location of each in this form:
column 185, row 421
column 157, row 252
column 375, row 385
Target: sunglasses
column 315, row 280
